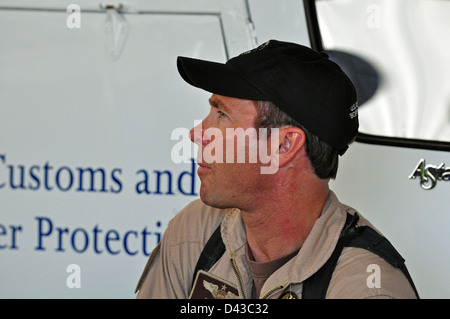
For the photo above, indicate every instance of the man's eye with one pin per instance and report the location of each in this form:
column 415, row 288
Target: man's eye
column 221, row 114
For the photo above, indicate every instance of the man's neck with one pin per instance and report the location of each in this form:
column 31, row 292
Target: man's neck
column 284, row 220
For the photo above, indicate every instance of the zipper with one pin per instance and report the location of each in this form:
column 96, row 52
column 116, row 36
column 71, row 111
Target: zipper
column 271, row 290
column 241, row 285
column 238, row 274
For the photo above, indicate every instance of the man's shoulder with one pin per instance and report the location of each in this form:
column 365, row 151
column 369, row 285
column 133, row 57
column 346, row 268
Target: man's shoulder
column 362, row 274
column 194, row 223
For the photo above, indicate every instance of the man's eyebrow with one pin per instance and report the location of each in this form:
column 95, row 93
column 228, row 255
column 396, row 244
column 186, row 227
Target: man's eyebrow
column 216, row 103
column 213, row 102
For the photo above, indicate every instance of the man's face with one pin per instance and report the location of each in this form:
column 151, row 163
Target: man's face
column 228, row 177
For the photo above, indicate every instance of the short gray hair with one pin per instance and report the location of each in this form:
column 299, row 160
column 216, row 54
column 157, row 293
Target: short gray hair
column 323, row 157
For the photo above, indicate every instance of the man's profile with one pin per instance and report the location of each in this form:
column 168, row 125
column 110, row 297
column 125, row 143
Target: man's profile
column 283, row 233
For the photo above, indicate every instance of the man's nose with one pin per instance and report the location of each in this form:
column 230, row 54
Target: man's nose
column 196, row 134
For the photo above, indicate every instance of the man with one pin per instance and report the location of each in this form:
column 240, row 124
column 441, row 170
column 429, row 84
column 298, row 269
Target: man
column 281, row 226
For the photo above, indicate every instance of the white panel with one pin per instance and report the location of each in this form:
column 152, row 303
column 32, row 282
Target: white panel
column 66, row 105
column 282, row 20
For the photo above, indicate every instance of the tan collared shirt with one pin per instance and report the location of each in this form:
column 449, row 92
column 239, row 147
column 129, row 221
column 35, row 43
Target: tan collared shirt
column 169, row 272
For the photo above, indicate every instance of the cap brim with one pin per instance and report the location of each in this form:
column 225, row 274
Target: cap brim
column 216, row 78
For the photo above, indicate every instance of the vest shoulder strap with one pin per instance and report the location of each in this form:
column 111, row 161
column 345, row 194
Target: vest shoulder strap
column 316, row 286
column 213, row 250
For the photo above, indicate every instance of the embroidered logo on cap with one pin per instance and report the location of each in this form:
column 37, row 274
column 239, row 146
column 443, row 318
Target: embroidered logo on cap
column 260, row 47
column 353, row 111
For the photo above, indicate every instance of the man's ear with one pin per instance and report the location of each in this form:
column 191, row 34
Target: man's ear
column 291, row 141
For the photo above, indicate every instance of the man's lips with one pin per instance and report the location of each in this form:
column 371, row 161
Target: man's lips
column 203, row 167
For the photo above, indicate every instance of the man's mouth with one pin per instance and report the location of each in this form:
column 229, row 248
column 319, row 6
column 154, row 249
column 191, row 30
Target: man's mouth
column 203, row 168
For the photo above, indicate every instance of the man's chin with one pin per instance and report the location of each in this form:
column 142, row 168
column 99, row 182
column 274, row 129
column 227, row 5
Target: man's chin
column 214, row 202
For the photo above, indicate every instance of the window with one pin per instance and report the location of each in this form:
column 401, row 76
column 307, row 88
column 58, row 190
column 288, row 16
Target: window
column 396, row 53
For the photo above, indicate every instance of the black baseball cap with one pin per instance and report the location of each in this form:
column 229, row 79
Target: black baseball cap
column 305, row 84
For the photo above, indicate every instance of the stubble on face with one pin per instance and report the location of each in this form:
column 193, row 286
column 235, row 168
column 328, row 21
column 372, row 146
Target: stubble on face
column 226, row 184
